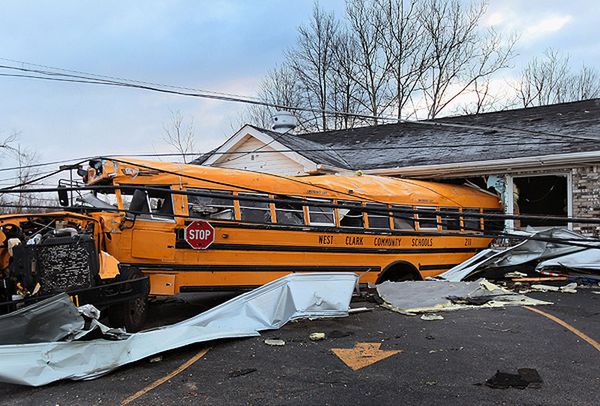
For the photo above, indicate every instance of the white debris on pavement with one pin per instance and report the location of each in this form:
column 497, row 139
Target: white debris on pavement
column 430, row 317
column 268, row 307
column 416, row 297
column 570, row 288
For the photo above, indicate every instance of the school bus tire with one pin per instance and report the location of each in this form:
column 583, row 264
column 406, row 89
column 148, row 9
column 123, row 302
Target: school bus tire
column 399, row 271
column 131, row 314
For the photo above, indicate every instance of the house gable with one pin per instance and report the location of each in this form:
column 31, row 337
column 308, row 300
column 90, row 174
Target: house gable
column 251, row 149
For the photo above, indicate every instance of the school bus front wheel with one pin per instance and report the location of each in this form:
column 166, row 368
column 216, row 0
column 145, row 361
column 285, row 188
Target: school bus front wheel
column 130, row 314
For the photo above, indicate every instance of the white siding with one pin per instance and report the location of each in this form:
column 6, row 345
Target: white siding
column 269, row 162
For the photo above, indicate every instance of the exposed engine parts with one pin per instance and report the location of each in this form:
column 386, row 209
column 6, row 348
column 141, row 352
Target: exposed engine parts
column 46, row 256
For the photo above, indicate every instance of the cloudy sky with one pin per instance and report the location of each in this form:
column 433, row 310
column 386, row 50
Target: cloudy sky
column 224, row 46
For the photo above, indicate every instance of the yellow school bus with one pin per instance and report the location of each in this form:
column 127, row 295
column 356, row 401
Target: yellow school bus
column 193, row 228
column 154, row 228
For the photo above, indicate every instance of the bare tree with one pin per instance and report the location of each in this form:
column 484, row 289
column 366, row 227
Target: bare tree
column 345, row 95
column 406, row 48
column 24, row 159
column 386, row 57
column 312, row 63
column 373, row 68
column 549, row 80
column 461, row 53
column 180, row 135
column 280, row 87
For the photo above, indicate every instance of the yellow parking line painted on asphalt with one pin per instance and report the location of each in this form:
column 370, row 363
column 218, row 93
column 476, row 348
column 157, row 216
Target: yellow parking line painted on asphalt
column 165, row 378
column 566, row 325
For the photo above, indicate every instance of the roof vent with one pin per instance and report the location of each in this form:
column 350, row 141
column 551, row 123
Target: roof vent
column 284, row 121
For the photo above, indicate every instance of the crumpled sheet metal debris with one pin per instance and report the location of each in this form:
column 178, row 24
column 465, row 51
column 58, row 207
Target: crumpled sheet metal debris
column 416, row 297
column 535, row 254
column 51, row 319
column 268, row 307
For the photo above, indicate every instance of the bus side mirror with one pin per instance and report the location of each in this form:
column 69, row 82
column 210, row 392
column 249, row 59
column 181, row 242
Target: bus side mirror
column 63, row 196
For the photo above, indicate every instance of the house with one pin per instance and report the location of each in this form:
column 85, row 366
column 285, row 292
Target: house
column 542, row 160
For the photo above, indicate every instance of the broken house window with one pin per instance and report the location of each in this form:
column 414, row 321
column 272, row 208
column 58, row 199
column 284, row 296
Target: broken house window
column 351, row 217
column 321, row 216
column 290, row 213
column 378, row 218
column 218, row 206
column 255, row 211
column 540, row 195
column 404, row 219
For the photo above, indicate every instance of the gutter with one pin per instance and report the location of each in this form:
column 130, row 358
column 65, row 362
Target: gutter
column 462, row 169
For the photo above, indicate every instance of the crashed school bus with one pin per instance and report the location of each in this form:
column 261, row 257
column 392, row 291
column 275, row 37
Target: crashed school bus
column 191, row 228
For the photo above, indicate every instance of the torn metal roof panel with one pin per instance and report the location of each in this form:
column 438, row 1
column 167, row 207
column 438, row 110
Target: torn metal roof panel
column 269, row 307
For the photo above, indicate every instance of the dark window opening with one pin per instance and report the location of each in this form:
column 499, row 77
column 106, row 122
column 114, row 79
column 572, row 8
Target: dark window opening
column 427, row 218
column 379, row 216
column 472, row 219
column 255, row 211
column 493, row 225
column 404, row 219
column 291, row 213
column 451, row 219
column 351, row 217
column 540, row 195
column 148, row 204
column 219, row 206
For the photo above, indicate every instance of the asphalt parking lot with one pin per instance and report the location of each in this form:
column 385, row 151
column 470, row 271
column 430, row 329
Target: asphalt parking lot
column 429, row 362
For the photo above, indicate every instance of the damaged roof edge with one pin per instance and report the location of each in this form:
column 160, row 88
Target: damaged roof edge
column 490, row 167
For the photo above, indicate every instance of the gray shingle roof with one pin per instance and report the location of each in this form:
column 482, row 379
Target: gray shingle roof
column 546, row 130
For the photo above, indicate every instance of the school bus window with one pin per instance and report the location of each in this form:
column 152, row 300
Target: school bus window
column 149, row 204
column 427, row 218
column 451, row 218
column 351, row 216
column 254, row 211
column 321, row 216
column 291, row 213
column 403, row 219
column 493, row 225
column 471, row 223
column 378, row 216
column 219, row 206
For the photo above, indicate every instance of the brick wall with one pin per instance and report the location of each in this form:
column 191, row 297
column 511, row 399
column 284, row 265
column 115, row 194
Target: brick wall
column 586, row 198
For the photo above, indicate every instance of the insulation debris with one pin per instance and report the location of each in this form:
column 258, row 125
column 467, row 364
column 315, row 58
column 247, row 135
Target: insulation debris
column 274, row 342
column 434, row 296
column 35, row 363
column 430, row 317
column 554, row 251
column 316, row 336
column 569, row 288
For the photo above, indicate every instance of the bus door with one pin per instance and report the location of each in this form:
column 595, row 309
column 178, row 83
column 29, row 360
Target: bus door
column 152, row 225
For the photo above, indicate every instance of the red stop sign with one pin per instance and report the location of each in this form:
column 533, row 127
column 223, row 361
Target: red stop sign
column 199, row 234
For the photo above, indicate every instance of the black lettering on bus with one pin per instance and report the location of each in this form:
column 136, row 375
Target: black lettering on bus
column 387, row 241
column 422, row 242
column 354, row 240
column 325, row 239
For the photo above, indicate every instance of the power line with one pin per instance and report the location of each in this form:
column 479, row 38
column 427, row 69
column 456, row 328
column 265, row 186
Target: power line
column 248, row 100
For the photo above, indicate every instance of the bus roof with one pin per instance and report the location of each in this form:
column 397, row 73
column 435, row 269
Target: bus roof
column 341, row 187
